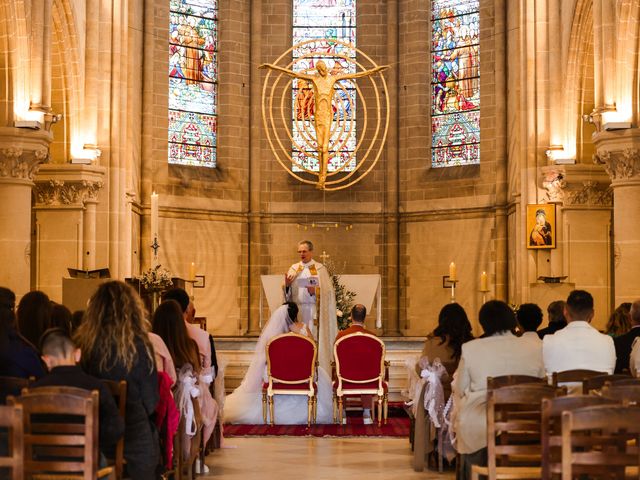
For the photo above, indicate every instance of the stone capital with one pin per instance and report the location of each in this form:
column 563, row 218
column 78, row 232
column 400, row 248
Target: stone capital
column 68, row 185
column 577, row 186
column 22, row 151
column 619, row 153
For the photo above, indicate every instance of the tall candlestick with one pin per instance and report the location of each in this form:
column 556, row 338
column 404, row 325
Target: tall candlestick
column 154, row 228
column 452, row 272
column 484, row 284
column 154, row 215
column 192, row 271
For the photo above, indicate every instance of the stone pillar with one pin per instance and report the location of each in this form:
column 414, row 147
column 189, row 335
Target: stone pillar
column 583, row 199
column 20, row 155
column 619, row 153
column 66, row 198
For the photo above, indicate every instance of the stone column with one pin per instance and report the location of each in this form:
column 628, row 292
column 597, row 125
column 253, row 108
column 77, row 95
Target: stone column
column 619, row 153
column 66, row 198
column 20, row 155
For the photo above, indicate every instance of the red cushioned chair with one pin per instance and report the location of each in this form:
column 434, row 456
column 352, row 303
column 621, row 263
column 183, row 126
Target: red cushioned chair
column 291, row 369
column 360, row 370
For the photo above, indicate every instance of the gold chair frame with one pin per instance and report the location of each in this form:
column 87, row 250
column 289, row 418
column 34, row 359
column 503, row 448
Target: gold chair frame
column 267, row 396
column 340, row 393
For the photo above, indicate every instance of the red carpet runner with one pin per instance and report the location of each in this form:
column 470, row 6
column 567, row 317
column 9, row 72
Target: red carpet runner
column 397, row 426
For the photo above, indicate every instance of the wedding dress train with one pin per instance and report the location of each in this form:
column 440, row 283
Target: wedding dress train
column 244, row 405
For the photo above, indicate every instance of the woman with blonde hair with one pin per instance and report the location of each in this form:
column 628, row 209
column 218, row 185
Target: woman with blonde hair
column 620, row 320
column 115, row 346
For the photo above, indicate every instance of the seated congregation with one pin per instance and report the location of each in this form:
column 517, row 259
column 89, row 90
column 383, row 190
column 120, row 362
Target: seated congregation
column 517, row 402
column 108, row 392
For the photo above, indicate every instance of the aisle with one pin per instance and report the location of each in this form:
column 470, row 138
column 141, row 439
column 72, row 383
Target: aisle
column 284, row 458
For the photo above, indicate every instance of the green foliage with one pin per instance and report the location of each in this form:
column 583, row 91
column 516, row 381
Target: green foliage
column 344, row 297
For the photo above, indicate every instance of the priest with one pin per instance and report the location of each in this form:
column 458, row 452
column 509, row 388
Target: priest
column 308, row 284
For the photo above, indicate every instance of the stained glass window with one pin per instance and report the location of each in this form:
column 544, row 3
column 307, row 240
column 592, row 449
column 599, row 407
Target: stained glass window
column 324, row 19
column 193, row 82
column 455, row 83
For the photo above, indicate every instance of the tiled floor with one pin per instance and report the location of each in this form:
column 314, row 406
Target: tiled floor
column 297, row 458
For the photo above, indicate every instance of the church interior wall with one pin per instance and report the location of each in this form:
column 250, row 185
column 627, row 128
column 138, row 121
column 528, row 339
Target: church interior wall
column 541, row 71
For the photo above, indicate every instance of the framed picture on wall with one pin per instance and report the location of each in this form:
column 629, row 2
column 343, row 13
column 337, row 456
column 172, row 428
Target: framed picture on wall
column 541, row 226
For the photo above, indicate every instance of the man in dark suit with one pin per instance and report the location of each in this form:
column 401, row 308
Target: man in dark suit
column 555, row 312
column 624, row 342
column 61, row 357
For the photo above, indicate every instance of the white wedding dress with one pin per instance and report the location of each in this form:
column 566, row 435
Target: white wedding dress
column 244, row 405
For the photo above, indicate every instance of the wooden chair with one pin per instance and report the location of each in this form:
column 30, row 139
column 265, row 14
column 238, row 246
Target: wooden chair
column 12, row 386
column 625, row 394
column 597, row 382
column 513, row 431
column 552, row 409
column 60, row 427
column 11, row 424
column 625, row 381
column 360, row 370
column 119, row 392
column 291, row 370
column 510, row 380
column 573, row 376
column 614, row 435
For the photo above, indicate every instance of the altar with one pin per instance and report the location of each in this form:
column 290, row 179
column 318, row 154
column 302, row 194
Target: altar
column 368, row 289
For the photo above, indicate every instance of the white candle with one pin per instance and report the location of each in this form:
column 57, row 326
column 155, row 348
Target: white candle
column 452, row 271
column 154, row 216
column 192, row 271
column 484, row 284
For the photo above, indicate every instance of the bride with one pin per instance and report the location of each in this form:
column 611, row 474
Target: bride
column 244, row 405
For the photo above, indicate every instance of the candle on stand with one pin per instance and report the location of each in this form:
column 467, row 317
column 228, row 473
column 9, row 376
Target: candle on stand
column 192, row 271
column 452, row 272
column 484, row 284
column 154, row 216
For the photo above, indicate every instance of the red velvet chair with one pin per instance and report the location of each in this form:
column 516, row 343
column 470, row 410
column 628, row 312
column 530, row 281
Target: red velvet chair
column 360, row 370
column 291, row 369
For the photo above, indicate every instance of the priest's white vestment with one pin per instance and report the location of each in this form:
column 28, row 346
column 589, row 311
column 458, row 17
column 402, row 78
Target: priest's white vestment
column 314, row 307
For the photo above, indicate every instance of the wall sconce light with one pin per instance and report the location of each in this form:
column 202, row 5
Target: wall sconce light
column 90, row 152
column 556, row 154
column 609, row 126
column 32, row 124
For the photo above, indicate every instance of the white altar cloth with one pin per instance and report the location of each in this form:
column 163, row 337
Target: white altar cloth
column 368, row 288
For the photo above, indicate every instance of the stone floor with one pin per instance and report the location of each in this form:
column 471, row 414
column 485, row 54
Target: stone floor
column 284, row 458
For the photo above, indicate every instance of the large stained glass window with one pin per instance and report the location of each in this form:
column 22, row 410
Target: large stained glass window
column 193, row 82
column 320, row 19
column 455, row 83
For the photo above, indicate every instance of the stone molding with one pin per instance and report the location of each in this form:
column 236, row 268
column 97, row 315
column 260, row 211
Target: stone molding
column 590, row 194
column 619, row 153
column 22, row 151
column 577, row 185
column 620, row 165
column 20, row 164
column 68, row 185
column 64, row 192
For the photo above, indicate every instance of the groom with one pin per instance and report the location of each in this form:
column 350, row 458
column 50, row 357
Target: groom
column 307, row 283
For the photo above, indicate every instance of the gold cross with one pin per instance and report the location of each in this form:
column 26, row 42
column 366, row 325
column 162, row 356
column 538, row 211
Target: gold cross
column 324, row 256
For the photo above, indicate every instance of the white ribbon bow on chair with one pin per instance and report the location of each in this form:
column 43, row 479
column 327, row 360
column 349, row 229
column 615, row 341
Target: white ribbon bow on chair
column 188, row 390
column 434, row 393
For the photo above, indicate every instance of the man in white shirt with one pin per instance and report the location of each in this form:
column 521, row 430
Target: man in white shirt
column 578, row 345
column 529, row 316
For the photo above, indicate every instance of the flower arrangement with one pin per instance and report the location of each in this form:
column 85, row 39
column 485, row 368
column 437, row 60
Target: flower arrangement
column 344, row 297
column 156, row 279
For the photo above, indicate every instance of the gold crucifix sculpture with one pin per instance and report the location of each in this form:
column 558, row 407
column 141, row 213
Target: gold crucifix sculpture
column 323, row 89
column 329, row 154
